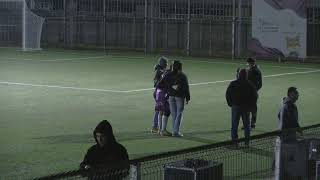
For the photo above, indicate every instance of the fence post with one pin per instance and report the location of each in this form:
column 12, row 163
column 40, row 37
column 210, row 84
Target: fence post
column 145, row 26
column 239, row 34
column 151, row 27
column 233, row 27
column 64, row 23
column 188, row 28
column 138, row 171
column 105, row 26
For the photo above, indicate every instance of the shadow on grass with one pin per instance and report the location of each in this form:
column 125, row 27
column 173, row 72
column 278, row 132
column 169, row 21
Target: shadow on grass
column 194, row 136
column 257, row 151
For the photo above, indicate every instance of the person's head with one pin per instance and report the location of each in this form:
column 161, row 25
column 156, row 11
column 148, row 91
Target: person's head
column 177, row 66
column 293, row 94
column 163, row 62
column 242, row 74
column 103, row 134
column 251, row 62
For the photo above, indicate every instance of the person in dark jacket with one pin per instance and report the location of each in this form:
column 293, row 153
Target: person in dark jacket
column 107, row 155
column 162, row 104
column 241, row 96
column 159, row 69
column 289, row 126
column 179, row 93
column 288, row 115
column 255, row 77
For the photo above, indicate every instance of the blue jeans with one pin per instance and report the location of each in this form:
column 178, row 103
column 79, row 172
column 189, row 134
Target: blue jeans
column 236, row 113
column 176, row 108
column 155, row 120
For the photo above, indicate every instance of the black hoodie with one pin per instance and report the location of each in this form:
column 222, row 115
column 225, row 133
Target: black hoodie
column 242, row 93
column 112, row 156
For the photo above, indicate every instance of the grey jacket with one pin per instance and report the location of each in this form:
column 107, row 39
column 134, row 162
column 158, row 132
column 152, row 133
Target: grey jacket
column 288, row 115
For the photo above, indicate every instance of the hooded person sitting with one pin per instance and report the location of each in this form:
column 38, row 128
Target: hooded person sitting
column 107, row 155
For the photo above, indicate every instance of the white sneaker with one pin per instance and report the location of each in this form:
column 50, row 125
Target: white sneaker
column 177, row 135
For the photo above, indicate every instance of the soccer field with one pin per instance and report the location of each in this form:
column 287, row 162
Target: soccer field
column 50, row 102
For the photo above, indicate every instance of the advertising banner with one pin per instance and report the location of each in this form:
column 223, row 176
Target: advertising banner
column 279, row 29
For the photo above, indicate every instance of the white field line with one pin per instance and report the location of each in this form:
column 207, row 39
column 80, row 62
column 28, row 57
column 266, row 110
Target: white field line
column 60, row 87
column 242, row 64
column 55, row 60
column 267, row 76
column 228, row 63
column 145, row 89
column 137, row 57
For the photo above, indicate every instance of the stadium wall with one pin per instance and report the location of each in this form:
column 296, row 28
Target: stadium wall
column 186, row 27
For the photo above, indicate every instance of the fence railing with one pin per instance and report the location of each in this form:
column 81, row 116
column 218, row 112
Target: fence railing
column 222, row 160
column 185, row 27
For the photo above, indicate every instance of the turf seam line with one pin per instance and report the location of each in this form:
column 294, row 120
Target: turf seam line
column 145, row 89
column 201, row 61
column 57, row 60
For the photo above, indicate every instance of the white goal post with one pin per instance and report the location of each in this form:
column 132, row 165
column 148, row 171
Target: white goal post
column 19, row 26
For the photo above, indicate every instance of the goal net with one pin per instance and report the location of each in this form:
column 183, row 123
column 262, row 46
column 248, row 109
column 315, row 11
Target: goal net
column 19, row 26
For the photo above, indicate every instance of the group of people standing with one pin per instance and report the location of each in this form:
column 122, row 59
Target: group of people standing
column 171, row 93
column 242, row 96
column 108, row 159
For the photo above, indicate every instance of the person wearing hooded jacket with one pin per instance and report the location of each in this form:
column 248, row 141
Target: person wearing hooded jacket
column 289, row 126
column 107, row 155
column 288, row 115
column 255, row 77
column 178, row 90
column 241, row 96
column 159, row 69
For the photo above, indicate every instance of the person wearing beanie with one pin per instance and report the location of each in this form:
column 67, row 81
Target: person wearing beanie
column 241, row 96
column 159, row 69
column 255, row 77
column 162, row 104
column 107, row 155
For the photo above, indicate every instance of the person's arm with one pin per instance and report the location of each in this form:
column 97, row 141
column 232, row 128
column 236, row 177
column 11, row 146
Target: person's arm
column 154, row 93
column 283, row 117
column 297, row 125
column 85, row 163
column 259, row 80
column 187, row 90
column 228, row 95
column 254, row 92
column 122, row 165
column 157, row 76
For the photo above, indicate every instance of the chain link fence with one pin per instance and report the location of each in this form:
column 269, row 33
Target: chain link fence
column 185, row 27
column 225, row 161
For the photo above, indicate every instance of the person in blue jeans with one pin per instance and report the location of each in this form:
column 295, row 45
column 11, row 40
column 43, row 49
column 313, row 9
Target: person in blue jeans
column 179, row 93
column 241, row 96
column 159, row 69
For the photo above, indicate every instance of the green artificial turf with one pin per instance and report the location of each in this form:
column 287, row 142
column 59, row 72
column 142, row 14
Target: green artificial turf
column 50, row 102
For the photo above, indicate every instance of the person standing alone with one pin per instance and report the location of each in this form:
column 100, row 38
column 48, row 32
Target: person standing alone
column 255, row 77
column 241, row 96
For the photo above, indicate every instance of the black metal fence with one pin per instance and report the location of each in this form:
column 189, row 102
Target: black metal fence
column 226, row 161
column 188, row 27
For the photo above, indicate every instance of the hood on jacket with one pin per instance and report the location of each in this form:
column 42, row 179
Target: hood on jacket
column 163, row 62
column 242, row 74
column 287, row 100
column 104, row 127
